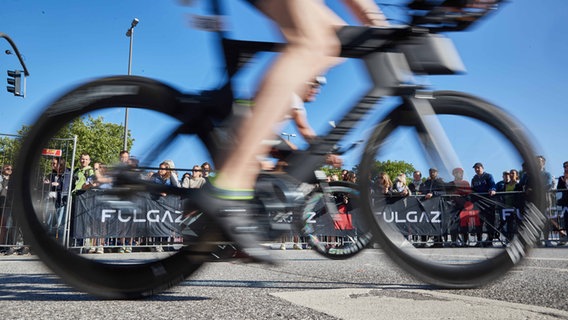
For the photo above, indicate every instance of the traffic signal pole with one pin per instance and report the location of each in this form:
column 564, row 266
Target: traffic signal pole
column 16, row 83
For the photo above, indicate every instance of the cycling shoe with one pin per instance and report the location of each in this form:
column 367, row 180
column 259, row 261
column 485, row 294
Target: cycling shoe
column 234, row 217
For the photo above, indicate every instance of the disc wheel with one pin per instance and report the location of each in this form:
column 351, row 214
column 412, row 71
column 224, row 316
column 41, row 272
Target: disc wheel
column 159, row 260
column 450, row 236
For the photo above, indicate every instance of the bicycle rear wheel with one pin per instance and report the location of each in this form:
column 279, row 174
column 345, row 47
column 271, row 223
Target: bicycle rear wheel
column 457, row 238
column 166, row 245
column 336, row 236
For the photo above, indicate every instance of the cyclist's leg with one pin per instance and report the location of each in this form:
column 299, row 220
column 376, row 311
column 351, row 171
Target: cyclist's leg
column 312, row 46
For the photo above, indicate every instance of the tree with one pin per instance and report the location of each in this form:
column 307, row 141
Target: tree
column 329, row 171
column 392, row 168
column 102, row 140
column 9, row 147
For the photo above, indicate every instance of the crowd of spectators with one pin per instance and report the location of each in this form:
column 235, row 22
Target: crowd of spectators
column 61, row 182
column 483, row 193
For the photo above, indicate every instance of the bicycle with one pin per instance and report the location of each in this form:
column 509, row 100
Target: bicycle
column 393, row 56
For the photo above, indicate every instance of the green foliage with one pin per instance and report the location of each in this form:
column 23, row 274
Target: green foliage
column 392, row 168
column 102, row 140
column 329, row 171
column 9, row 147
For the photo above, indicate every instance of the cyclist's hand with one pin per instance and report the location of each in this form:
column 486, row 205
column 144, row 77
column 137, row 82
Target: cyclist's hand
column 334, row 160
column 379, row 23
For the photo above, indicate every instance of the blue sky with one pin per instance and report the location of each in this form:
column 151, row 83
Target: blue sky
column 515, row 59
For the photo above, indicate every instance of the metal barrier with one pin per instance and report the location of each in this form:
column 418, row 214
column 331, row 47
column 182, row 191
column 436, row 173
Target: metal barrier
column 441, row 220
column 58, row 219
column 63, row 150
column 10, row 235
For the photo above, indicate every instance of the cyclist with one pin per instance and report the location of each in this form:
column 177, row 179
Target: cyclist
column 309, row 28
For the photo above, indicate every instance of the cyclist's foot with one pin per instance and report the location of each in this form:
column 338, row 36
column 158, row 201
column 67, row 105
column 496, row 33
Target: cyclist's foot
column 232, row 210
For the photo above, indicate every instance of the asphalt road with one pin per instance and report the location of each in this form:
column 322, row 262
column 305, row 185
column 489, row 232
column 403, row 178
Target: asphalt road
column 303, row 286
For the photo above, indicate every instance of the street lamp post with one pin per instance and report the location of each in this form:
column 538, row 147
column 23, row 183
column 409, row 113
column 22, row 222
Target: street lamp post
column 130, row 34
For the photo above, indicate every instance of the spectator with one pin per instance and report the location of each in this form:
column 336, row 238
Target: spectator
column 400, row 187
column 124, row 156
column 164, row 176
column 173, row 172
column 344, row 173
column 500, row 186
column 5, row 206
column 434, row 186
column 483, row 185
column 514, row 176
column 459, row 185
column 186, row 176
column 562, row 187
column 80, row 177
column 99, row 181
column 81, row 174
column 461, row 188
column 58, row 182
column 351, row 177
column 550, row 201
column 546, row 176
column 196, row 181
column 384, row 184
column 206, row 167
column 124, row 159
column 416, row 183
column 4, row 182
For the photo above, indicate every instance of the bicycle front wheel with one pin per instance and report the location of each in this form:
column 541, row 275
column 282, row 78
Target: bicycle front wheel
column 447, row 233
column 84, row 236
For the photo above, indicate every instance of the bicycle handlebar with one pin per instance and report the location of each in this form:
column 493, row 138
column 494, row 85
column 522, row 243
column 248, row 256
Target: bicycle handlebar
column 450, row 15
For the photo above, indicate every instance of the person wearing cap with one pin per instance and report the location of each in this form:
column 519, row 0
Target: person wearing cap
column 482, row 185
column 500, row 186
column 433, row 187
column 311, row 90
column 510, row 198
column 299, row 116
column 460, row 187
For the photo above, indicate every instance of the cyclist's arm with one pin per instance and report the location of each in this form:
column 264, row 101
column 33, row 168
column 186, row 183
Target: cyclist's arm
column 301, row 121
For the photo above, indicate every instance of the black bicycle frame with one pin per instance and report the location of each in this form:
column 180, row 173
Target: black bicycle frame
column 387, row 54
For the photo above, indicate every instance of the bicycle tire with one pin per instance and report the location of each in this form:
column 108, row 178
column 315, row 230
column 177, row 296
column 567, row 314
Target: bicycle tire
column 109, row 277
column 461, row 267
column 352, row 236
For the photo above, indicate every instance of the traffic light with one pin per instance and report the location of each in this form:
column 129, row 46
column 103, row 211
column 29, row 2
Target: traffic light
column 16, row 85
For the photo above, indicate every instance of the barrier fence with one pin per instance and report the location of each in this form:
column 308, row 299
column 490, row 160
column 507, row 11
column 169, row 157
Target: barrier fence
column 10, row 236
column 98, row 215
column 11, row 239
column 153, row 220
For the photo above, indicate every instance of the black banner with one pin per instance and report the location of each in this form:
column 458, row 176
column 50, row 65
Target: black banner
column 97, row 214
column 416, row 215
